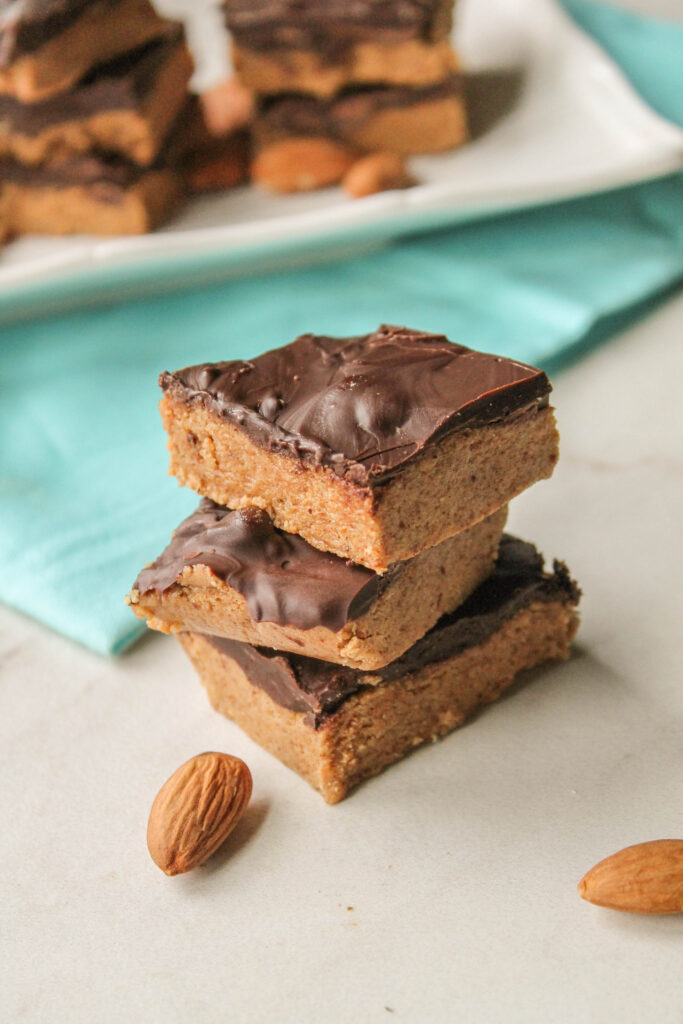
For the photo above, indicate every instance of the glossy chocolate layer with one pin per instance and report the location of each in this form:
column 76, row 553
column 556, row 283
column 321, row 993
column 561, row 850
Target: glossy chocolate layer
column 318, row 688
column 346, row 113
column 281, row 577
column 121, row 84
column 334, row 25
column 361, row 406
column 26, row 24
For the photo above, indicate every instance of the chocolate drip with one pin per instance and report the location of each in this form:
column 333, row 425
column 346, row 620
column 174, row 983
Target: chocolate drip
column 281, row 577
column 330, row 28
column 318, row 688
column 362, row 406
column 106, row 177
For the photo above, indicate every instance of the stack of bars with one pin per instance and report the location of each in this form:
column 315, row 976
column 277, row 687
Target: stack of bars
column 90, row 91
column 345, row 590
column 338, row 80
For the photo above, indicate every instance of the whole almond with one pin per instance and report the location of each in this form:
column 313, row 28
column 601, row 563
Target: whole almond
column 378, row 172
column 643, row 879
column 298, row 165
column 196, row 810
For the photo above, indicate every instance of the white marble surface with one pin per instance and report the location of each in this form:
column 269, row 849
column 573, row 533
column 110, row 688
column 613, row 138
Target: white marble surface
column 443, row 891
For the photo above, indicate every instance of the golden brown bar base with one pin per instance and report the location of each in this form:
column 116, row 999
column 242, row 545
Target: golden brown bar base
column 411, row 62
column 77, row 209
column 135, row 134
column 101, row 33
column 432, row 584
column 378, row 726
column 450, row 487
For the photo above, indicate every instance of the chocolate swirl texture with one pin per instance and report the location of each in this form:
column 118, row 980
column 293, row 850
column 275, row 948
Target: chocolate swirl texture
column 281, row 577
column 333, row 26
column 318, row 688
column 362, row 406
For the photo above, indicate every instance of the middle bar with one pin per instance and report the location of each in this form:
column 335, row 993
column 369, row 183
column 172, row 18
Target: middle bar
column 234, row 574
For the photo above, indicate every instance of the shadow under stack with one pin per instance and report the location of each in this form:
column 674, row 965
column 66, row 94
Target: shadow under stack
column 345, row 589
column 89, row 95
column 337, row 81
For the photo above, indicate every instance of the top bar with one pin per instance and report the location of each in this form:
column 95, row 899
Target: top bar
column 373, row 447
column 46, row 46
column 123, row 107
column 265, row 24
column 26, row 24
column 306, row 46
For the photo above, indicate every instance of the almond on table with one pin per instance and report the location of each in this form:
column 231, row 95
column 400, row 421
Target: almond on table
column 644, row 879
column 196, row 810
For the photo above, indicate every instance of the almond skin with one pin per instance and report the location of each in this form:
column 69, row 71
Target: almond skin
column 642, row 879
column 196, row 810
column 299, row 165
column 379, row 172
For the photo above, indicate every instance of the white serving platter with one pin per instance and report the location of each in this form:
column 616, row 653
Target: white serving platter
column 554, row 118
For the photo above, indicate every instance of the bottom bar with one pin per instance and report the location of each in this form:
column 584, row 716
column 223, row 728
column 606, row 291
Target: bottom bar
column 302, row 142
column 336, row 726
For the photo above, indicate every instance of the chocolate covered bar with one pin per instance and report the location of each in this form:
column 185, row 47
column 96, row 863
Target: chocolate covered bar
column 46, row 46
column 125, row 107
column 373, row 447
column 337, row 726
column 395, row 119
column 310, row 47
column 87, row 194
column 231, row 573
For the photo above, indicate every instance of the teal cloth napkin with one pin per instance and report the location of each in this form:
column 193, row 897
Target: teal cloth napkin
column 84, row 497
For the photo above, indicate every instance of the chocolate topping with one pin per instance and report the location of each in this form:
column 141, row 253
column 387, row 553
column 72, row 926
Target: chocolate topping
column 345, row 113
column 281, row 577
column 362, row 406
column 333, row 26
column 106, row 177
column 119, row 84
column 318, row 688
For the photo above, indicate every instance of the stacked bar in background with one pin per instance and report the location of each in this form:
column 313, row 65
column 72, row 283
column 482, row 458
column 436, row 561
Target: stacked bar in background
column 89, row 95
column 337, row 80
column 345, row 589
